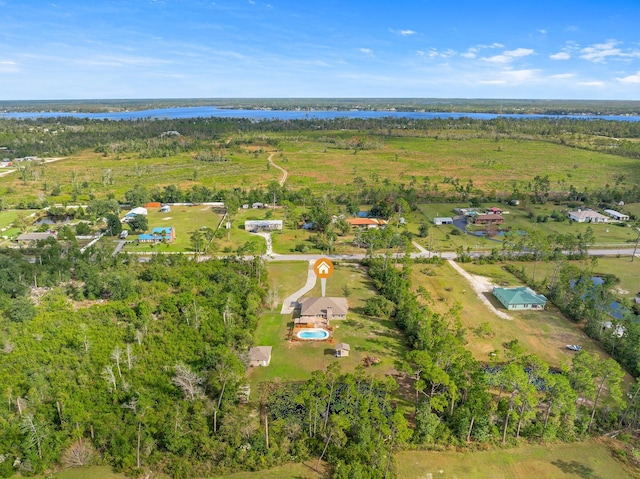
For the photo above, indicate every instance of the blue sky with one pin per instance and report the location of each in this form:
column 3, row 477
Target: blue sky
column 72, row 49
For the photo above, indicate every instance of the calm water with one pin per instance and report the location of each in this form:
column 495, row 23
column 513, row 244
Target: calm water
column 257, row 115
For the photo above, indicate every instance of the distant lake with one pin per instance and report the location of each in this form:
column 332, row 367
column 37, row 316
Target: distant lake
column 258, row 115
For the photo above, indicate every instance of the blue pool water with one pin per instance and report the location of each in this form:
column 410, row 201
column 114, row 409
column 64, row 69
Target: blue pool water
column 313, row 334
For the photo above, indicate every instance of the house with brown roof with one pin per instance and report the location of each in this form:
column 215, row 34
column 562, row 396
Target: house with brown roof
column 259, row 356
column 322, row 310
column 488, row 219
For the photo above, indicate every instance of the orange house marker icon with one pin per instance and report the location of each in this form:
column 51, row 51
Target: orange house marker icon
column 323, row 268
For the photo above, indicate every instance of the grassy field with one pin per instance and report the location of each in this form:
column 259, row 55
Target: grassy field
column 99, row 175
column 441, row 239
column 623, row 268
column 288, row 471
column 545, row 333
column 586, row 460
column 185, row 220
column 313, row 160
column 491, row 164
column 93, row 472
column 294, row 361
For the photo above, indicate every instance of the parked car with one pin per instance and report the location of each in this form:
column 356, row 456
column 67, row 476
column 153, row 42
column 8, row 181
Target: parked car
column 124, row 234
column 574, row 347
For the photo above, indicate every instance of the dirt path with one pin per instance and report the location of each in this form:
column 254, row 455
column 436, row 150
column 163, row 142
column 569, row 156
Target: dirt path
column 285, row 173
column 480, row 285
column 46, row 160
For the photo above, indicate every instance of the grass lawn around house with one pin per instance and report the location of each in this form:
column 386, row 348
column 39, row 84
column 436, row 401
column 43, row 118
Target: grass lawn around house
column 627, row 271
column 517, row 219
column 93, row 472
column 579, row 460
column 545, row 333
column 288, row 471
column 185, row 220
column 295, row 360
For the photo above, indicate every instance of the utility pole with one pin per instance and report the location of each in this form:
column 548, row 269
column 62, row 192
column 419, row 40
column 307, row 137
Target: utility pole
column 636, row 247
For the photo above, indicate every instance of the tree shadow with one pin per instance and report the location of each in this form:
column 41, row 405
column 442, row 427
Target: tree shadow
column 330, row 352
column 577, row 468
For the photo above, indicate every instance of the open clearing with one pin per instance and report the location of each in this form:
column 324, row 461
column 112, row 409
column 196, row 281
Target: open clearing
column 185, row 220
column 587, row 460
column 545, row 333
column 627, row 271
column 294, row 361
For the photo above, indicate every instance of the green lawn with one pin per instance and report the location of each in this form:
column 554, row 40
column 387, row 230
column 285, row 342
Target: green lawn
column 294, row 361
column 185, row 220
column 244, row 170
column 517, row 218
column 627, row 271
column 288, row 471
column 586, row 460
column 93, row 472
column 545, row 333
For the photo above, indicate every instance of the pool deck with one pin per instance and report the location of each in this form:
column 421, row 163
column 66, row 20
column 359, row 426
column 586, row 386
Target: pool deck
column 293, row 334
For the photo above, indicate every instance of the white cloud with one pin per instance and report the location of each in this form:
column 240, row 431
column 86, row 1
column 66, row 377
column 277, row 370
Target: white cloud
column 591, row 83
column 366, row 51
column 435, row 53
column 508, row 76
column 599, row 52
column 542, row 31
column 560, row 56
column 403, row 33
column 563, row 76
column 509, row 55
column 473, row 51
column 119, row 61
column 609, row 50
column 631, row 79
column 8, row 66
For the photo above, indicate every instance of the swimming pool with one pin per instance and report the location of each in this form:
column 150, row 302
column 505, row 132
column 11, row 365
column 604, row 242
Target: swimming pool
column 313, row 333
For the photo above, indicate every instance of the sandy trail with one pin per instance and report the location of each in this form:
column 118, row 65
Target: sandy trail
column 480, row 285
column 285, row 173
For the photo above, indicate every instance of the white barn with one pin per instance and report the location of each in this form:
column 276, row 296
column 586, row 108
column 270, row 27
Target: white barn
column 616, row 215
column 442, row 221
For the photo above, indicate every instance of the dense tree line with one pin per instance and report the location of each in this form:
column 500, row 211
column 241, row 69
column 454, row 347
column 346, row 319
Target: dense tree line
column 135, row 365
column 458, row 400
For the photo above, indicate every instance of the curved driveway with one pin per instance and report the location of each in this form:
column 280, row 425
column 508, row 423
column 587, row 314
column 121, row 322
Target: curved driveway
column 289, row 303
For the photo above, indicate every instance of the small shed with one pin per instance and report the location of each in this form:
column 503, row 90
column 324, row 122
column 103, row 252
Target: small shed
column 342, row 350
column 259, row 356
